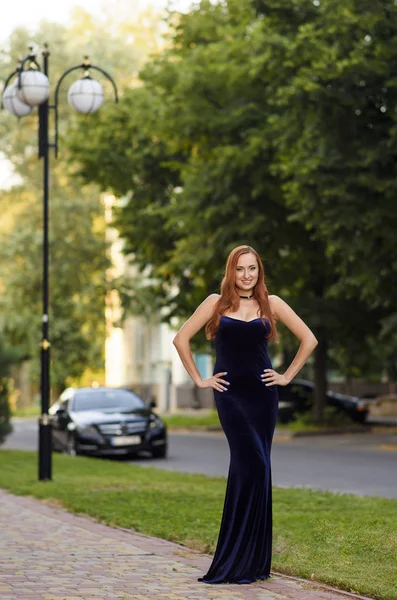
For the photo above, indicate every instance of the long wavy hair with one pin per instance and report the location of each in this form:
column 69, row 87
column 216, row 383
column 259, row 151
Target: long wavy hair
column 229, row 300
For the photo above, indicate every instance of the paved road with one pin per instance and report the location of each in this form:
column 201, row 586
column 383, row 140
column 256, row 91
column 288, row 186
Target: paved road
column 363, row 464
column 342, row 463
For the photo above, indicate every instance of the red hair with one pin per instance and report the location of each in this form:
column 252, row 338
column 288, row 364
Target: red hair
column 230, row 300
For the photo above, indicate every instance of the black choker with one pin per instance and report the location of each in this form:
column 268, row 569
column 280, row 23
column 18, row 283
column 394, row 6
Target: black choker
column 248, row 297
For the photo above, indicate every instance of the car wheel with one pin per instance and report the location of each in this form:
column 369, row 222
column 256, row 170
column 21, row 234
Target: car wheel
column 55, row 447
column 131, row 455
column 285, row 418
column 359, row 417
column 160, row 452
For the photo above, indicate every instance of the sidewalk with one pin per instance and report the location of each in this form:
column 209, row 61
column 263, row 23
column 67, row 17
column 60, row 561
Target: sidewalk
column 47, row 553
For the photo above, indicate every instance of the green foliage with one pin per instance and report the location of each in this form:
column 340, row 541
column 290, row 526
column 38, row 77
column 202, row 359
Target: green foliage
column 78, row 266
column 26, row 412
column 190, row 158
column 343, row 540
column 333, row 418
column 244, row 130
column 78, row 249
column 333, row 122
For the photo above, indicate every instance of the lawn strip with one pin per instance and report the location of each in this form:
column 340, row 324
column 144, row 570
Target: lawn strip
column 28, row 412
column 210, row 421
column 185, row 421
column 342, row 540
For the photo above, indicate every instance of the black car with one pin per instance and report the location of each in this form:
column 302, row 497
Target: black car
column 106, row 420
column 298, row 397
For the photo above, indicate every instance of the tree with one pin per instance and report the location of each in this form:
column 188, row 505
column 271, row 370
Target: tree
column 207, row 155
column 183, row 147
column 78, row 253
column 334, row 125
column 77, row 274
column 334, row 131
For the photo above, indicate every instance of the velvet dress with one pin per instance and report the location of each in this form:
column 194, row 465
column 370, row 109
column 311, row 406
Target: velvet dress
column 248, row 412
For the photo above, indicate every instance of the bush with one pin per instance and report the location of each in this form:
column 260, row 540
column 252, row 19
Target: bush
column 332, row 418
column 5, row 412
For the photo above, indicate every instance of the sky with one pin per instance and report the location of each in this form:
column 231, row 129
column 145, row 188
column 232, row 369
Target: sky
column 29, row 13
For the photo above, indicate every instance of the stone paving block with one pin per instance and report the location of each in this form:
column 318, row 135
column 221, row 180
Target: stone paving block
column 76, row 558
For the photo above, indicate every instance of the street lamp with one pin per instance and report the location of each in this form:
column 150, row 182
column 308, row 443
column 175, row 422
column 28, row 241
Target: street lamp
column 13, row 104
column 29, row 89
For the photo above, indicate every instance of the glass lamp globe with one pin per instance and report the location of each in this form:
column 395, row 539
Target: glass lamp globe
column 85, row 95
column 35, row 88
column 12, row 103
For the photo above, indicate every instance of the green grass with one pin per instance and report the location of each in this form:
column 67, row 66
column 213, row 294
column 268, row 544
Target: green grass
column 342, row 540
column 27, row 411
column 211, row 419
column 300, row 426
column 189, row 421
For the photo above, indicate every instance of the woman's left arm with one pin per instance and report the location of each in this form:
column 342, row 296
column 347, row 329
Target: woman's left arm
column 284, row 313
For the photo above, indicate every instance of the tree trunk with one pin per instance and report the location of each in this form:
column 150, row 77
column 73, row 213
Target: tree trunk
column 349, row 385
column 320, row 376
column 392, row 376
column 288, row 356
column 196, row 397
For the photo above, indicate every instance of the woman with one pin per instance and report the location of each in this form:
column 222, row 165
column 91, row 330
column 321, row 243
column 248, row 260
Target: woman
column 240, row 321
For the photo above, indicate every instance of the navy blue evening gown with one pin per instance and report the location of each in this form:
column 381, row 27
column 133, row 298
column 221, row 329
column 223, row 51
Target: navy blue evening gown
column 248, row 412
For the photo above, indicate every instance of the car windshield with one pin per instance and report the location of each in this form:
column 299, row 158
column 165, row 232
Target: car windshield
column 106, row 400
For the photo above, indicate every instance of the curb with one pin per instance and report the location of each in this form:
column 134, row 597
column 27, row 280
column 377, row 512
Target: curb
column 331, row 431
column 280, row 433
column 324, row 586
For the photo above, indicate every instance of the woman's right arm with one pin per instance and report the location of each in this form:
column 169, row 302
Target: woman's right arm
column 181, row 341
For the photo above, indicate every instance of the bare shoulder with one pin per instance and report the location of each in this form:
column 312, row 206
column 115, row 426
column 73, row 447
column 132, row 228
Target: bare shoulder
column 213, row 298
column 280, row 308
column 284, row 313
column 200, row 317
column 275, row 305
column 209, row 302
column 206, row 308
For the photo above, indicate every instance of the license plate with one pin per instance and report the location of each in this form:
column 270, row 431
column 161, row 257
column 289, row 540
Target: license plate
column 126, row 440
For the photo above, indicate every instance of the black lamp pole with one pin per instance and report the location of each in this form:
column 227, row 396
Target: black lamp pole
column 45, row 437
column 45, row 433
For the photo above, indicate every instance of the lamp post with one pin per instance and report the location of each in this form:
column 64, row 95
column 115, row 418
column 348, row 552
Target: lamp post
column 29, row 89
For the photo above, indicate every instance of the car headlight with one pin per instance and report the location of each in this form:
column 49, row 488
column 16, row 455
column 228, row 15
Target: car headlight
column 87, row 430
column 156, row 423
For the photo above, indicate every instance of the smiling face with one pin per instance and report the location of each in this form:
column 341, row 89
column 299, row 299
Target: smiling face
column 246, row 274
